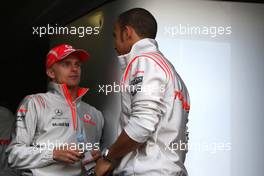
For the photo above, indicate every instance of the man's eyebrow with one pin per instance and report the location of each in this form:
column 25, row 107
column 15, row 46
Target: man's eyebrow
column 64, row 61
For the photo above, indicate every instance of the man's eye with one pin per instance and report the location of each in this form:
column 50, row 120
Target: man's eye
column 64, row 64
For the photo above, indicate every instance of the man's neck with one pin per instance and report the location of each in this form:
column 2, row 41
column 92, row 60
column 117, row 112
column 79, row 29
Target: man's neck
column 73, row 92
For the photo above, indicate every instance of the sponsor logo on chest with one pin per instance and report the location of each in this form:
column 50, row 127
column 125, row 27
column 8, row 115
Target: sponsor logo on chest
column 87, row 118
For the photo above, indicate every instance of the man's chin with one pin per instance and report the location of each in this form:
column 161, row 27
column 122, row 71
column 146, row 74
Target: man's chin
column 72, row 84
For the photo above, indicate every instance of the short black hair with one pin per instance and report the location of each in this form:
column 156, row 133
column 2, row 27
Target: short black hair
column 141, row 20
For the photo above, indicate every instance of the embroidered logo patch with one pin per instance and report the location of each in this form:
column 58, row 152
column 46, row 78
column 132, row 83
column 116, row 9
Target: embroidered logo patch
column 87, row 118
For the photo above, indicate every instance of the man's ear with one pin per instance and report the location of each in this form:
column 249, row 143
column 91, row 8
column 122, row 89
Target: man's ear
column 50, row 72
column 128, row 32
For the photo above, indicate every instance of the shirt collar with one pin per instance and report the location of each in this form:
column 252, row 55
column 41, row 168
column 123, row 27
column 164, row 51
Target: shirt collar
column 140, row 47
column 63, row 91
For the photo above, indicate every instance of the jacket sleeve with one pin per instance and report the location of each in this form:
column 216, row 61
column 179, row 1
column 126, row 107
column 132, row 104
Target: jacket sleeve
column 22, row 153
column 147, row 82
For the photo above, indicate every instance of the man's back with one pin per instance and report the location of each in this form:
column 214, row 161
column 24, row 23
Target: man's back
column 154, row 113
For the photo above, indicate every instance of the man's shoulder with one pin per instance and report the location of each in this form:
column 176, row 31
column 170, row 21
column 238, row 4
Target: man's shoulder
column 148, row 65
column 5, row 113
column 34, row 96
column 148, row 59
column 38, row 98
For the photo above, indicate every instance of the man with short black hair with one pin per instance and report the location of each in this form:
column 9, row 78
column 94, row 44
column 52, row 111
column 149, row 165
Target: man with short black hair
column 50, row 126
column 155, row 105
column 141, row 20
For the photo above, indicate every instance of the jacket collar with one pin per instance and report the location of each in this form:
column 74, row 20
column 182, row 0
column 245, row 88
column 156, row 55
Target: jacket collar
column 140, row 47
column 62, row 91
